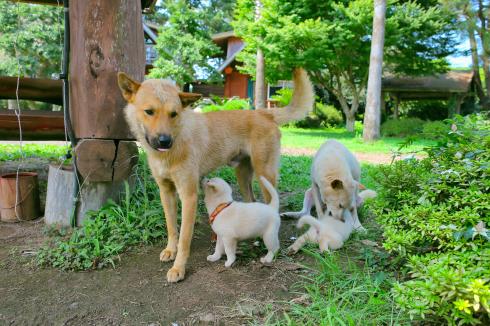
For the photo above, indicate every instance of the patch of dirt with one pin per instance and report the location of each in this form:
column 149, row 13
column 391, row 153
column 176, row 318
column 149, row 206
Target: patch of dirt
column 136, row 291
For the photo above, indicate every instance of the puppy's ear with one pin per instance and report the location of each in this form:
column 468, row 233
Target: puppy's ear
column 188, row 98
column 128, row 86
column 337, row 184
column 211, row 185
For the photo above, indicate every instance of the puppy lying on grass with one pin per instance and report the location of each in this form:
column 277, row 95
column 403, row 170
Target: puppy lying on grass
column 327, row 232
column 234, row 221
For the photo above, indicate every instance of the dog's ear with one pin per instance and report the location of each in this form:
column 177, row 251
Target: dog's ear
column 128, row 86
column 188, row 98
column 337, row 184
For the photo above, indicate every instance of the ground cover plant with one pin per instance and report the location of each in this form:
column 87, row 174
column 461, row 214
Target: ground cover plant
column 10, row 152
column 435, row 212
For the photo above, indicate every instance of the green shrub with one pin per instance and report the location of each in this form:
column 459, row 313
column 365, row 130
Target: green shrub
column 110, row 231
column 283, row 96
column 329, row 115
column 435, row 130
column 435, row 212
column 227, row 105
column 402, row 127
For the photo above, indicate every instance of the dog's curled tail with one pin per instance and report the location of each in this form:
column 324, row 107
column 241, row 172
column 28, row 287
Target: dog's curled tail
column 302, row 101
column 273, row 192
column 310, row 220
column 368, row 193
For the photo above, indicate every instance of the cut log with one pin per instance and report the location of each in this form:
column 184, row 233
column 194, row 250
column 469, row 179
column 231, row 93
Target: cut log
column 95, row 159
column 35, row 89
column 126, row 159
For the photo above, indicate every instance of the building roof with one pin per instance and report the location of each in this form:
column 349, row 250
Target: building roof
column 437, row 86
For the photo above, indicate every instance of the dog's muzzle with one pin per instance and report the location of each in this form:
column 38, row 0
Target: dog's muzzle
column 161, row 143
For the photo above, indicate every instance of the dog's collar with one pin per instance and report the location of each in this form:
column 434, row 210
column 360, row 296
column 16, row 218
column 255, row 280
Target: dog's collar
column 218, row 210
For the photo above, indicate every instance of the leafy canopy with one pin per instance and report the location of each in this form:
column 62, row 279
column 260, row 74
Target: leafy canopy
column 34, row 34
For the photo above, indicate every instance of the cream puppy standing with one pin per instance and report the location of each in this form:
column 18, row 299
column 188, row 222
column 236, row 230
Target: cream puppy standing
column 234, row 221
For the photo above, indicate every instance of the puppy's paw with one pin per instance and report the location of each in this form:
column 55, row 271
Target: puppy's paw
column 213, row 258
column 266, row 260
column 228, row 263
column 175, row 274
column 167, row 254
column 291, row 251
column 361, row 229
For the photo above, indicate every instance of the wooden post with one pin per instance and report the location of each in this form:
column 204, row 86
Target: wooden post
column 397, row 104
column 106, row 37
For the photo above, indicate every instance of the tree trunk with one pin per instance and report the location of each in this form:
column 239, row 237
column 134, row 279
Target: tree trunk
column 260, row 91
column 350, row 121
column 485, row 46
column 372, row 115
column 476, row 64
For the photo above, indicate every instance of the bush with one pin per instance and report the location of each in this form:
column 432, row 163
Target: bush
column 402, row 127
column 283, row 96
column 435, row 130
column 435, row 212
column 329, row 115
column 226, row 105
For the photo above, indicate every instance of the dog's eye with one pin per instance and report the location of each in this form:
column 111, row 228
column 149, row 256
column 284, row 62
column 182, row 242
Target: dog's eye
column 150, row 112
column 173, row 114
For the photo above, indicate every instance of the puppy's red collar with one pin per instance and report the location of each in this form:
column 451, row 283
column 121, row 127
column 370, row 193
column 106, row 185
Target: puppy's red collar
column 218, row 210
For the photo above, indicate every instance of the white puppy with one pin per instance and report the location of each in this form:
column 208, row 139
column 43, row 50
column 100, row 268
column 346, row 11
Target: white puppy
column 328, row 232
column 234, row 221
column 335, row 176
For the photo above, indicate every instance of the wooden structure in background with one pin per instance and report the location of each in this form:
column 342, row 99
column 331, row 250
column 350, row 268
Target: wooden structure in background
column 454, row 85
column 36, row 125
column 36, row 89
column 106, row 36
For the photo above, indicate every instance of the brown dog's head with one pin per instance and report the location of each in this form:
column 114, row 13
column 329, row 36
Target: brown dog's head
column 154, row 110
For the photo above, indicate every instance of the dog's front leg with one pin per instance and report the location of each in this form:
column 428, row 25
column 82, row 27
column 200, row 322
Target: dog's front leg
column 168, row 196
column 355, row 219
column 317, row 198
column 188, row 195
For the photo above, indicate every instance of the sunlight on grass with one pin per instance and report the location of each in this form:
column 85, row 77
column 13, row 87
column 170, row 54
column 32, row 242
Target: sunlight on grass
column 313, row 138
column 11, row 152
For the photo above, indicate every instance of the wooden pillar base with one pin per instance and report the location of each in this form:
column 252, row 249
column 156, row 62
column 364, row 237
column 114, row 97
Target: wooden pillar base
column 104, row 167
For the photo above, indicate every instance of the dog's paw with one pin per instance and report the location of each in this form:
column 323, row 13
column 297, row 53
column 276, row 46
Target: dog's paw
column 213, row 258
column 175, row 274
column 361, row 229
column 228, row 263
column 265, row 261
column 291, row 251
column 167, row 254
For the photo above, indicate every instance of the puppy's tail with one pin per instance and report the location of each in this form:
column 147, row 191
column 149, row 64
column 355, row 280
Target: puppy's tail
column 368, row 193
column 310, row 220
column 272, row 191
column 302, row 101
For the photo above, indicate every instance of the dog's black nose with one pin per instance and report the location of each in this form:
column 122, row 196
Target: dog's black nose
column 164, row 141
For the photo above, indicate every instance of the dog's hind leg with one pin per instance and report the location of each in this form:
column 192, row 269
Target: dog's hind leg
column 307, row 205
column 168, row 196
column 244, row 174
column 271, row 241
column 265, row 162
column 301, row 241
column 230, row 250
column 356, row 223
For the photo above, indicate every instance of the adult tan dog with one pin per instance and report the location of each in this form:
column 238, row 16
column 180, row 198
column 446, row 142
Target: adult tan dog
column 183, row 145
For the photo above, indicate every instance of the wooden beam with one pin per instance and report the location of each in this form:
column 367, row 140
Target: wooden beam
column 144, row 3
column 101, row 45
column 34, row 89
column 36, row 125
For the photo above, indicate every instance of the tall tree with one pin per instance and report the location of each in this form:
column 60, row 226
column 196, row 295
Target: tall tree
column 184, row 42
column 372, row 115
column 331, row 39
column 32, row 34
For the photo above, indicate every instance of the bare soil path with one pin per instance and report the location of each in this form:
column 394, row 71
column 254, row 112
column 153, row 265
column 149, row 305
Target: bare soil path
column 136, row 292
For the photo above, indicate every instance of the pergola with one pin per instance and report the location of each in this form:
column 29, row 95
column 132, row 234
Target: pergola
column 453, row 85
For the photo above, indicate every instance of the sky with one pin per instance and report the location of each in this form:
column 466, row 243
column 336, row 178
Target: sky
column 461, row 60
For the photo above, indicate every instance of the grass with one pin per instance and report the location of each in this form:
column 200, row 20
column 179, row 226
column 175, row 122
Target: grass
column 11, row 152
column 313, row 138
